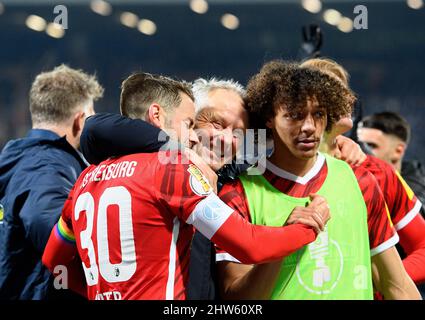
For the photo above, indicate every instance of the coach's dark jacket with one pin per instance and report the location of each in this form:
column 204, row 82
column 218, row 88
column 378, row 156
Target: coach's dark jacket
column 36, row 174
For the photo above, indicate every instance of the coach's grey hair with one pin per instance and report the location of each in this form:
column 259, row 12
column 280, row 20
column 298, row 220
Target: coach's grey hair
column 201, row 87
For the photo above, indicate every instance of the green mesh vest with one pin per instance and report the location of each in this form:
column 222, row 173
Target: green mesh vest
column 335, row 266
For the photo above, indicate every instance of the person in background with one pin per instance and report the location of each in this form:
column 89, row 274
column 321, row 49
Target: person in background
column 36, row 174
column 388, row 135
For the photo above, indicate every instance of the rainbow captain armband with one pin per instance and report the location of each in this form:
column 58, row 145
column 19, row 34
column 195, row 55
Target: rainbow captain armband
column 63, row 232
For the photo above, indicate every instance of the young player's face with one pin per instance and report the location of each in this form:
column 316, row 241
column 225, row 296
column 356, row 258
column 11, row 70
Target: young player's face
column 220, row 127
column 299, row 133
column 181, row 123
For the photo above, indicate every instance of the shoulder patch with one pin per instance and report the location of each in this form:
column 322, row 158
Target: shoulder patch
column 198, row 183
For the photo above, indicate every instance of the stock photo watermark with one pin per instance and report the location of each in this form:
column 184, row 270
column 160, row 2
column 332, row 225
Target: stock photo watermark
column 241, row 147
column 360, row 21
column 61, row 18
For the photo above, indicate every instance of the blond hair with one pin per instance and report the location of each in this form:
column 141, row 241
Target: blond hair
column 56, row 95
column 328, row 66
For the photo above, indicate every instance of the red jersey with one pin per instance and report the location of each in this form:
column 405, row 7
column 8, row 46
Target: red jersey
column 120, row 210
column 401, row 201
column 404, row 209
column 131, row 219
column 381, row 232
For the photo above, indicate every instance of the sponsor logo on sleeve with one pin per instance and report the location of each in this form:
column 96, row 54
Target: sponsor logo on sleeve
column 212, row 211
column 198, row 183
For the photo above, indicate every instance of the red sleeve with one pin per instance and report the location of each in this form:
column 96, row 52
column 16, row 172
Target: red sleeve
column 60, row 253
column 412, row 239
column 381, row 231
column 248, row 242
column 67, row 211
column 61, row 250
column 185, row 191
column 180, row 187
column 401, row 200
column 233, row 194
column 404, row 208
column 406, row 205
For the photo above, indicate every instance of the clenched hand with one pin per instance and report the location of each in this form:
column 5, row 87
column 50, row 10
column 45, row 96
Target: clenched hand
column 315, row 215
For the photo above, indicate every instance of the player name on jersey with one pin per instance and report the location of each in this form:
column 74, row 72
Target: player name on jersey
column 111, row 171
column 110, row 295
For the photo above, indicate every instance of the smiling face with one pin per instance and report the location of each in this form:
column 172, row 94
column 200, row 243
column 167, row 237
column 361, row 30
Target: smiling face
column 298, row 132
column 220, row 126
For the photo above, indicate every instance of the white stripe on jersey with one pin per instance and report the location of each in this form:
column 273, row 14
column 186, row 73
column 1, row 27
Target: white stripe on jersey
column 209, row 215
column 391, row 242
column 225, row 257
column 169, row 294
column 409, row 216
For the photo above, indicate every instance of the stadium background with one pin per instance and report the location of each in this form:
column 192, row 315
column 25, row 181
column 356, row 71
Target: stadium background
column 386, row 61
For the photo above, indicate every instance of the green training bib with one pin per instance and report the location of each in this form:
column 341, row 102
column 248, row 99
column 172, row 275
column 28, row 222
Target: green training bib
column 337, row 265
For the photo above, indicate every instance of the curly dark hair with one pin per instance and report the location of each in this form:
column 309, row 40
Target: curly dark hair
column 280, row 82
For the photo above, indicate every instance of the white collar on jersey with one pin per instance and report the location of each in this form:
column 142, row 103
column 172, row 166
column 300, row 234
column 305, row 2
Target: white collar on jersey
column 292, row 177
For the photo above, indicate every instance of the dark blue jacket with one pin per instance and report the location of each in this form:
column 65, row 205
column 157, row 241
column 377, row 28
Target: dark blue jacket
column 36, row 174
column 110, row 134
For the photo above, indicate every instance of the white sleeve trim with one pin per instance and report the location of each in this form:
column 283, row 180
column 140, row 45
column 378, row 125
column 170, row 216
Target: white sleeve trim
column 385, row 245
column 409, row 216
column 225, row 257
column 209, row 215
